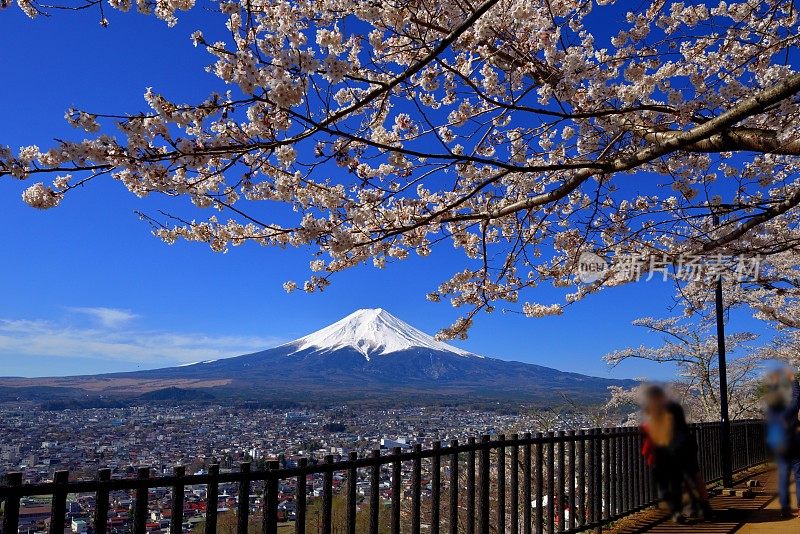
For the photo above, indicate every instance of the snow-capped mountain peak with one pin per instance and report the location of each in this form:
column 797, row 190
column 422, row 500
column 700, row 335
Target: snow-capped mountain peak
column 373, row 332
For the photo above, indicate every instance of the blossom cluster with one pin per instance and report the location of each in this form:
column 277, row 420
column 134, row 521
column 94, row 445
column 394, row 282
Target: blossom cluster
column 509, row 129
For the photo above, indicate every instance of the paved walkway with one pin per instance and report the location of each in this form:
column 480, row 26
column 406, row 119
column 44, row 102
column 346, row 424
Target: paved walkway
column 743, row 515
column 767, row 518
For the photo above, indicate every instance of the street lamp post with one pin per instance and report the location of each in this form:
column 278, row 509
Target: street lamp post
column 725, row 423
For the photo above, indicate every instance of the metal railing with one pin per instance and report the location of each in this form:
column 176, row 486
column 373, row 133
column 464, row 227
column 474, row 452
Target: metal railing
column 544, row 483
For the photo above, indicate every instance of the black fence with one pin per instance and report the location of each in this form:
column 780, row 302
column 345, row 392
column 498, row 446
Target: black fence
column 544, row 483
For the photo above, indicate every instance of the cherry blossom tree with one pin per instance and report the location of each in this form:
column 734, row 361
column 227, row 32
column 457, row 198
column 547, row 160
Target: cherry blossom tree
column 774, row 296
column 691, row 346
column 521, row 132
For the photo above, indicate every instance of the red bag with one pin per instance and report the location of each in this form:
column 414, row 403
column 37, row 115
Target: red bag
column 648, row 449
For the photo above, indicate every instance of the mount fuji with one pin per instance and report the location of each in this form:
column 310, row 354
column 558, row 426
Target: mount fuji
column 370, row 355
column 373, row 332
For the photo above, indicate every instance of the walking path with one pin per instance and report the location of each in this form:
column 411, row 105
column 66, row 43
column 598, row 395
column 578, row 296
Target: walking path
column 744, row 515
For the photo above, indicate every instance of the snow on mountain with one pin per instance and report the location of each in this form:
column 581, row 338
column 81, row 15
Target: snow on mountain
column 196, row 363
column 373, row 332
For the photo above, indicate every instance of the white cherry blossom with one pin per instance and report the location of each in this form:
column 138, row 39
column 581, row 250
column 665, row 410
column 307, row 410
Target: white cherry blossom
column 521, row 132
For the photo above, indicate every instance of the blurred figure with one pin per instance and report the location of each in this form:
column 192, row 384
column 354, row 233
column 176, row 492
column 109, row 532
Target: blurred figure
column 782, row 404
column 671, row 451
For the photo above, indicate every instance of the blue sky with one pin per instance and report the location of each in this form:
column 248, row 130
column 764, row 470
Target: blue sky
column 87, row 289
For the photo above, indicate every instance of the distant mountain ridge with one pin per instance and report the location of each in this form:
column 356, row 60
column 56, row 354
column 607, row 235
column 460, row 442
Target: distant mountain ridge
column 368, row 355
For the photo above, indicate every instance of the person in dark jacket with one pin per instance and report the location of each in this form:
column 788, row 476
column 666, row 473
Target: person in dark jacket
column 782, row 433
column 671, row 450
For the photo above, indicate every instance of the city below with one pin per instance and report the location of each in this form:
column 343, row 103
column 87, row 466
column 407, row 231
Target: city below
column 38, row 443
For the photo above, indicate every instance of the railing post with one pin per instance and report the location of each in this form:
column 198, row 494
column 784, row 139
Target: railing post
column 176, row 519
column 514, row 484
column 11, row 512
column 640, row 467
column 598, row 478
column 483, row 487
column 501, row 484
column 243, row 509
column 580, row 520
column 397, row 469
column 102, row 501
column 551, row 498
column 212, row 499
column 142, row 494
column 560, row 481
column 720, row 457
column 620, row 478
column 526, row 485
column 591, row 468
column 375, row 493
column 747, row 444
column 453, row 488
column 270, row 505
column 327, row 496
column 607, row 472
column 622, row 470
column 436, row 474
column 352, row 483
column 539, row 484
column 58, row 512
column 470, row 487
column 741, row 447
column 573, row 445
column 300, row 498
column 702, row 443
column 628, row 472
column 758, row 442
column 416, row 489
column 614, row 473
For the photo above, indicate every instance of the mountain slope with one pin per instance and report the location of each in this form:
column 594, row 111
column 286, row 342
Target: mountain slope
column 370, row 355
